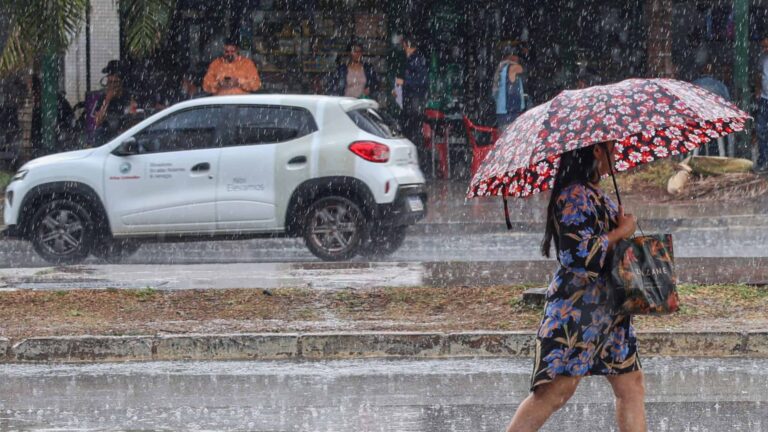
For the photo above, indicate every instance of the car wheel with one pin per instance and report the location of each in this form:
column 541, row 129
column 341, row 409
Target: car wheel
column 383, row 242
column 333, row 229
column 62, row 232
column 115, row 251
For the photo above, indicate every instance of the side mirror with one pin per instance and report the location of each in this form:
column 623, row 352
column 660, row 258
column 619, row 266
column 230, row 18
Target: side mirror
column 128, row 147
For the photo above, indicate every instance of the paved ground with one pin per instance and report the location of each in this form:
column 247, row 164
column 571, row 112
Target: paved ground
column 368, row 395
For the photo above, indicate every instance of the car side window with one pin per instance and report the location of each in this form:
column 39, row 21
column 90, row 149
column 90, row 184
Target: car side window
column 375, row 122
column 262, row 124
column 192, row 129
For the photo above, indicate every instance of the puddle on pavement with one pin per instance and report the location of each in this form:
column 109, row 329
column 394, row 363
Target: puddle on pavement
column 355, row 275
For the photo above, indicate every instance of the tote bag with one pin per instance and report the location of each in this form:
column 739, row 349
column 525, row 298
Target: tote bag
column 643, row 276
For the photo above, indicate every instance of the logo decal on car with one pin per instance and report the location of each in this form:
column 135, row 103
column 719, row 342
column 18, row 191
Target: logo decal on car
column 125, row 168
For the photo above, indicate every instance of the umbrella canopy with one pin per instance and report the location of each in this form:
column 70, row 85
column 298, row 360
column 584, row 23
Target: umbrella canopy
column 649, row 119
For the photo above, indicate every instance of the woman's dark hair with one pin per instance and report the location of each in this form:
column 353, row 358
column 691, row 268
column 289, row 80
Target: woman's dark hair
column 577, row 166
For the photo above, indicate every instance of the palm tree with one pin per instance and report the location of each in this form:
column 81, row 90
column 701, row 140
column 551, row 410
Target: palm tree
column 41, row 29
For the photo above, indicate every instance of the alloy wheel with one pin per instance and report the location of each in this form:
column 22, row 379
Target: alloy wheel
column 334, row 227
column 61, row 232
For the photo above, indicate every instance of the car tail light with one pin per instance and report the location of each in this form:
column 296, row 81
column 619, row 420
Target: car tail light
column 370, row 151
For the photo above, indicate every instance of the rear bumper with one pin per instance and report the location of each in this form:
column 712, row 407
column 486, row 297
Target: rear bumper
column 401, row 210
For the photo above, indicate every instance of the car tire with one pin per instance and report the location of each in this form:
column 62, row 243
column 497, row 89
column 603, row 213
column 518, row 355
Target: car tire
column 62, row 232
column 114, row 251
column 383, row 242
column 334, row 228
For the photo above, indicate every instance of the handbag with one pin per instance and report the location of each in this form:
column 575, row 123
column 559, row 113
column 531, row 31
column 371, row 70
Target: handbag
column 642, row 279
column 643, row 276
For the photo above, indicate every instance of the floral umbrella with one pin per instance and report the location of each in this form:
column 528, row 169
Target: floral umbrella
column 649, row 119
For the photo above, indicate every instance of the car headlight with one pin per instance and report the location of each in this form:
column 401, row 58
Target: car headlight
column 20, row 174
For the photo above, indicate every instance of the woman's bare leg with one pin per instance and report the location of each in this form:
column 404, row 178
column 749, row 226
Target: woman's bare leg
column 539, row 405
column 629, row 390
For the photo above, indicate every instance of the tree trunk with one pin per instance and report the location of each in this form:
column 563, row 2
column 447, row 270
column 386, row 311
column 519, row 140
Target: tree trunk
column 659, row 16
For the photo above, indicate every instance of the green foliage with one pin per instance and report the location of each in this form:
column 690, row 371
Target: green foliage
column 38, row 27
column 145, row 21
column 48, row 26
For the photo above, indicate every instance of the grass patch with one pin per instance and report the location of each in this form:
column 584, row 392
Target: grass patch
column 144, row 294
column 149, row 311
column 644, row 177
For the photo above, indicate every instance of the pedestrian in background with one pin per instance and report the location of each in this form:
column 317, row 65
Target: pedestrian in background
column 355, row 78
column 508, row 89
column 708, row 82
column 231, row 74
column 414, row 79
column 761, row 121
column 113, row 105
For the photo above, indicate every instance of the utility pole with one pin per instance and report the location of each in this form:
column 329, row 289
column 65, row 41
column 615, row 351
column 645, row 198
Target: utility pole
column 741, row 53
column 49, row 102
column 743, row 96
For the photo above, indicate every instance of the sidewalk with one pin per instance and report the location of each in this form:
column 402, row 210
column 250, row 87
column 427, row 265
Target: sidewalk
column 450, row 211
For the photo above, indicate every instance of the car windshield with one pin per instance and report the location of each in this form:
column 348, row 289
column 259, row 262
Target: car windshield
column 375, row 122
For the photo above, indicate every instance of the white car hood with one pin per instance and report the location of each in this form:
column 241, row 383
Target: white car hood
column 58, row 157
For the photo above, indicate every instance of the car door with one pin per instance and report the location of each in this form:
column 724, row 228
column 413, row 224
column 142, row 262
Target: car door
column 170, row 185
column 266, row 148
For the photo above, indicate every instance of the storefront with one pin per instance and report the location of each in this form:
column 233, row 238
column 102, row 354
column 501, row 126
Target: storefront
column 297, row 46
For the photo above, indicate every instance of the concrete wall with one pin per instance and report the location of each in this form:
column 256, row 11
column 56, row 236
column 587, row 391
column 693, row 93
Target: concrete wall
column 105, row 46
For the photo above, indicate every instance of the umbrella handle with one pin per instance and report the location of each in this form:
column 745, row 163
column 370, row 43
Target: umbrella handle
column 506, row 212
column 613, row 176
column 616, row 186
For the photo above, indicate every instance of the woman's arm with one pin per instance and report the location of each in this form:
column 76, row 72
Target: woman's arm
column 627, row 224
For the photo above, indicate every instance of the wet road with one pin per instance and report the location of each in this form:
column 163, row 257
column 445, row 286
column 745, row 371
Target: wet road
column 364, row 395
column 728, row 254
column 725, row 241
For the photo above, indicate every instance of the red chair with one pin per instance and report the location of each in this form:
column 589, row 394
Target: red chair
column 436, row 132
column 479, row 151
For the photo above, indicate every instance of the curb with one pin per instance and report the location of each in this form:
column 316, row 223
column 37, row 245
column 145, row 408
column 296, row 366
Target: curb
column 333, row 346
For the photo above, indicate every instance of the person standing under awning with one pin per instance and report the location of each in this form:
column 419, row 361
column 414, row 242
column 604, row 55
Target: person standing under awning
column 231, row 74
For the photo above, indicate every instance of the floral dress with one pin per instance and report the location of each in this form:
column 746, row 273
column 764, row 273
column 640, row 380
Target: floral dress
column 579, row 335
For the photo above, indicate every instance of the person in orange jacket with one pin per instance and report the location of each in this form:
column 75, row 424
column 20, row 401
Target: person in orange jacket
column 231, row 74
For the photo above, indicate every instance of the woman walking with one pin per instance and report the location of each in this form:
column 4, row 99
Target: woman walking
column 566, row 145
column 579, row 335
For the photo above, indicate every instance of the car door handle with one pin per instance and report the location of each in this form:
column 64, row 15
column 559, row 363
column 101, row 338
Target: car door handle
column 201, row 167
column 297, row 160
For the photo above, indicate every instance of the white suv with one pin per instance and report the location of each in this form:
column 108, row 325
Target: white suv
column 329, row 169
